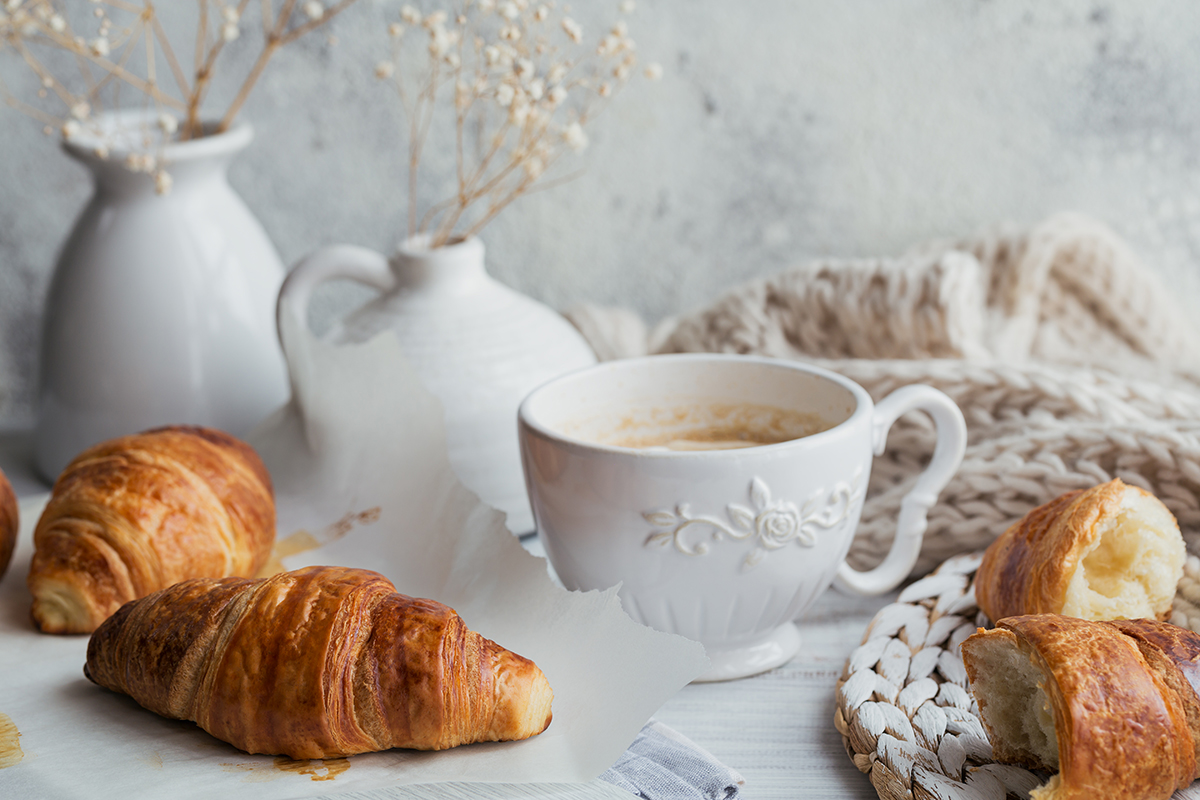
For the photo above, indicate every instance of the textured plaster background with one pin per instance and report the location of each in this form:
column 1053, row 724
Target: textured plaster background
column 782, row 130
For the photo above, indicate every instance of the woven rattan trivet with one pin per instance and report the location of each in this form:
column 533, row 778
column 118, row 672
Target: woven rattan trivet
column 903, row 708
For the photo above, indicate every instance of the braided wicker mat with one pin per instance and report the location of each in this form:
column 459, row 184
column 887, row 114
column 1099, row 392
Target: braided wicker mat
column 903, row 708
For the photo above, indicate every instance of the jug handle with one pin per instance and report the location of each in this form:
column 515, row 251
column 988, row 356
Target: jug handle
column 348, row 261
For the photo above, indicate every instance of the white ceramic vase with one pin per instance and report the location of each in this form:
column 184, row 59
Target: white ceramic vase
column 161, row 307
column 479, row 347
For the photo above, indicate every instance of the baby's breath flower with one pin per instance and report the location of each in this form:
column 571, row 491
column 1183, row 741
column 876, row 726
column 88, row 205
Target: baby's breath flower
column 313, row 9
column 140, row 162
column 605, row 89
column 627, row 6
column 231, row 14
column 487, row 6
column 71, row 128
column 557, row 73
column 534, row 167
column 621, row 72
column 511, row 33
column 230, row 32
column 518, row 112
column 523, row 67
column 509, row 10
column 168, row 124
column 57, row 23
column 557, row 95
column 453, row 61
column 541, row 13
column 435, row 20
column 99, row 46
column 441, row 40
column 162, row 182
column 410, row 15
column 621, row 29
column 100, row 151
column 653, row 71
column 574, row 137
column 536, row 88
column 395, row 30
column 505, row 94
column 81, row 110
column 384, row 69
column 573, row 30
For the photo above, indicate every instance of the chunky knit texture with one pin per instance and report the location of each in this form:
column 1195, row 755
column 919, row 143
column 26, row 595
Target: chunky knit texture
column 1072, row 363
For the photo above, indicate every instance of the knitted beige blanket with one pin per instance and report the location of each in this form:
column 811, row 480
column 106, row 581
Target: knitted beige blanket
column 1070, row 359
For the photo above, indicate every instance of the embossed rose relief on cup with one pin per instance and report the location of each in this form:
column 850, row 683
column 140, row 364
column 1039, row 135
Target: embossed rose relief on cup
column 771, row 523
column 720, row 492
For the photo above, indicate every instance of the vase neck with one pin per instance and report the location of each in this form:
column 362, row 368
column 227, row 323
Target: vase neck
column 189, row 164
column 451, row 268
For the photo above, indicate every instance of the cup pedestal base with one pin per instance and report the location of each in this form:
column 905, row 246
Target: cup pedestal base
column 741, row 662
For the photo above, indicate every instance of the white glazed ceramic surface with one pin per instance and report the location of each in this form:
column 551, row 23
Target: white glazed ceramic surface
column 479, row 347
column 160, row 310
column 726, row 547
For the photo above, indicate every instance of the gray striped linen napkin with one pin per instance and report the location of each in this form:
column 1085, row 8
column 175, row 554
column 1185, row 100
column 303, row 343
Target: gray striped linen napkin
column 663, row 764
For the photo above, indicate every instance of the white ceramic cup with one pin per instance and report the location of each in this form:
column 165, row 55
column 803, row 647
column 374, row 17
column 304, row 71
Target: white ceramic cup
column 726, row 547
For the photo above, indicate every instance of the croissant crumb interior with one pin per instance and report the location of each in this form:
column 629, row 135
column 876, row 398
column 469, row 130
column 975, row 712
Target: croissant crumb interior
column 1130, row 569
column 1013, row 701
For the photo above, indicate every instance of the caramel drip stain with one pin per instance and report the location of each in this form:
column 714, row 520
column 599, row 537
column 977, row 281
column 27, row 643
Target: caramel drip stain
column 10, row 745
column 302, row 541
column 299, row 542
column 316, row 769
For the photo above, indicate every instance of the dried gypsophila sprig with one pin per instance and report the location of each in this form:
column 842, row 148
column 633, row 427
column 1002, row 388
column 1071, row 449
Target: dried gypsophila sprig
column 524, row 86
column 123, row 29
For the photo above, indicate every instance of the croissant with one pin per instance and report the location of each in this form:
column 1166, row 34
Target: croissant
column 1111, row 552
column 317, row 663
column 1112, row 706
column 136, row 514
column 9, row 522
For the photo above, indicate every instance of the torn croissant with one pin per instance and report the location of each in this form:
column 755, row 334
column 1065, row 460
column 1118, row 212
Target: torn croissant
column 9, row 522
column 139, row 513
column 1112, row 707
column 1111, row 552
column 317, row 663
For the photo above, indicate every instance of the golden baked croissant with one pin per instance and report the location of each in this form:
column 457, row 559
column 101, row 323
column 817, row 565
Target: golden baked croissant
column 1112, row 706
column 1111, row 552
column 317, row 663
column 139, row 513
column 9, row 522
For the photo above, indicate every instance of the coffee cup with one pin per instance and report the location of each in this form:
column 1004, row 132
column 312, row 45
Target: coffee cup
column 720, row 492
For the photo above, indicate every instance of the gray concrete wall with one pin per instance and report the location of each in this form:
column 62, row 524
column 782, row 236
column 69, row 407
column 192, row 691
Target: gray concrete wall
column 782, row 130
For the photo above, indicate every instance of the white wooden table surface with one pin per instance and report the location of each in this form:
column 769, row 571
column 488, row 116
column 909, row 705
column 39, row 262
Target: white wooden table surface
column 776, row 729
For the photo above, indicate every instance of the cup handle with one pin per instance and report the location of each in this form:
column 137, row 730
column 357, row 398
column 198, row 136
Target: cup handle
column 947, row 455
column 337, row 261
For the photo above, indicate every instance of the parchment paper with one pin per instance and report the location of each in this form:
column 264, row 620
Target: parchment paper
column 362, row 479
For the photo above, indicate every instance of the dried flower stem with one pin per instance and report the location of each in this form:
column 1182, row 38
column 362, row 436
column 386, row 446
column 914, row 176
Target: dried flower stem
column 46, row 24
column 523, row 88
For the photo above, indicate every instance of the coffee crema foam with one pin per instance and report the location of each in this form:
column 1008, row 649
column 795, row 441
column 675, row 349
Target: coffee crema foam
column 702, row 426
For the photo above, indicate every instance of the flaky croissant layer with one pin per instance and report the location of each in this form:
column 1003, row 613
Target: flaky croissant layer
column 1112, row 706
column 1110, row 552
column 9, row 522
column 317, row 663
column 139, row 513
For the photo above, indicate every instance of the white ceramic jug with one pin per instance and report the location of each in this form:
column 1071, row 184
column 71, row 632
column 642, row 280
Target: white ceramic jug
column 478, row 346
column 161, row 307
